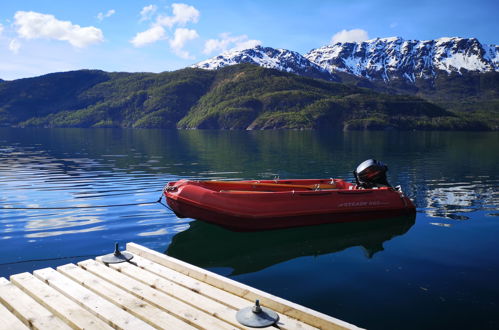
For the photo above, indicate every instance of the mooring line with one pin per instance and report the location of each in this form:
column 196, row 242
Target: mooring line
column 82, row 207
column 74, row 207
column 47, row 259
column 166, row 205
column 159, row 201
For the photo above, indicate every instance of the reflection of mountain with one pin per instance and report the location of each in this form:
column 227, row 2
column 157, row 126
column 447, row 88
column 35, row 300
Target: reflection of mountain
column 207, row 245
column 75, row 149
column 257, row 154
column 448, row 200
column 426, row 164
column 309, row 154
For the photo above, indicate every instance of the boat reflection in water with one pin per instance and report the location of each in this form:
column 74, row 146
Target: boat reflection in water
column 207, row 245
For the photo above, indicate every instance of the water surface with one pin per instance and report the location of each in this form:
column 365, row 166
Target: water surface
column 436, row 270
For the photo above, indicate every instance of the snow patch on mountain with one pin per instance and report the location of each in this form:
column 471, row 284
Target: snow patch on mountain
column 383, row 59
column 267, row 57
column 492, row 54
column 396, row 58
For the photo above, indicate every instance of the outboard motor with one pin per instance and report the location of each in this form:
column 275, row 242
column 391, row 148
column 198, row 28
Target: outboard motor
column 371, row 173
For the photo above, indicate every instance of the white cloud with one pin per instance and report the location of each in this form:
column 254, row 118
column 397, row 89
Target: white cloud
column 33, row 25
column 147, row 12
column 14, row 46
column 394, row 25
column 355, row 35
column 101, row 16
column 181, row 36
column 149, row 36
column 227, row 41
column 247, row 44
column 1, row 28
column 182, row 14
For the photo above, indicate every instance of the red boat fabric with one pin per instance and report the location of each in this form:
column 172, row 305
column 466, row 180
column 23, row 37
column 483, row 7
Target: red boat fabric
column 272, row 204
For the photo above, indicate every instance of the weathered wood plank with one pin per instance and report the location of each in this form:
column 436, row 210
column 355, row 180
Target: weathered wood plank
column 193, row 284
column 67, row 310
column 26, row 309
column 141, row 309
column 226, row 298
column 180, row 309
column 190, row 297
column 96, row 304
column 280, row 305
column 7, row 319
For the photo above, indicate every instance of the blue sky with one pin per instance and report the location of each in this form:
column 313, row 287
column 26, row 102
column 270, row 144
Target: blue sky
column 38, row 36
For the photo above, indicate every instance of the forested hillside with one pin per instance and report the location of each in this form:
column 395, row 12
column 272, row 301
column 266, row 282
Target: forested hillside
column 237, row 97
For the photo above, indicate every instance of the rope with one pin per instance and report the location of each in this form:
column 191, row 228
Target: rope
column 81, row 207
column 47, row 259
column 73, row 207
column 166, row 205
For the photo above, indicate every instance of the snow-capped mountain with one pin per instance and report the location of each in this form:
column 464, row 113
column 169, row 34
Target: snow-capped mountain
column 267, row 57
column 396, row 58
column 383, row 59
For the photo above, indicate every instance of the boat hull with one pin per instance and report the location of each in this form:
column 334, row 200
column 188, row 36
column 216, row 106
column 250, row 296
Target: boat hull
column 258, row 205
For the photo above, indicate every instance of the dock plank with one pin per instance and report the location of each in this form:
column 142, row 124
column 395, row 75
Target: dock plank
column 186, row 312
column 26, row 309
column 279, row 305
column 190, row 297
column 152, row 291
column 9, row 320
column 193, row 284
column 96, row 304
column 139, row 308
column 70, row 312
column 219, row 295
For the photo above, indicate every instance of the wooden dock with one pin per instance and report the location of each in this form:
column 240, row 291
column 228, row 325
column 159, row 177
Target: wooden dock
column 152, row 291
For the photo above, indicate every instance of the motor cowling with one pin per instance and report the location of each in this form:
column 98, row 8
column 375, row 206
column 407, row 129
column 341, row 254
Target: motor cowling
column 371, row 173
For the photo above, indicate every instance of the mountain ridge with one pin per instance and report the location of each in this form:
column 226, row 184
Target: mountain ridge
column 380, row 59
column 395, row 58
column 271, row 58
column 458, row 74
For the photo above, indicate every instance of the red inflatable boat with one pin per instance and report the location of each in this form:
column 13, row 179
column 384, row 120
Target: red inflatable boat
column 271, row 204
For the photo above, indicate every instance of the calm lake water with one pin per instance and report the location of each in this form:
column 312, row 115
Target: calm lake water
column 437, row 270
